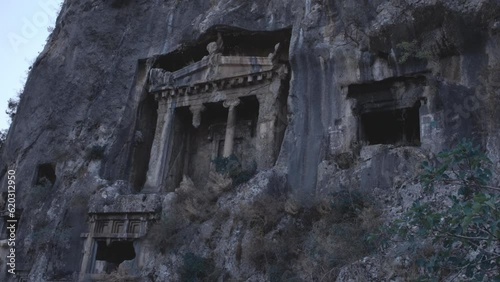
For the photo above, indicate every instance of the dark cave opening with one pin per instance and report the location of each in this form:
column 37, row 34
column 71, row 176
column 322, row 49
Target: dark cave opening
column 114, row 253
column 388, row 111
column 45, row 173
column 398, row 126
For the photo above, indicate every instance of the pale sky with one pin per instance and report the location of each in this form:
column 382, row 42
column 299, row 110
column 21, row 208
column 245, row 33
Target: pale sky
column 24, row 29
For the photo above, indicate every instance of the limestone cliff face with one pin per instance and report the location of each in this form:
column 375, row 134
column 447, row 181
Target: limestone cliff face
column 76, row 122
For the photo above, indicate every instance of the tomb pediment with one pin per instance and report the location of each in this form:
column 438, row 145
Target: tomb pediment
column 231, row 70
column 214, row 71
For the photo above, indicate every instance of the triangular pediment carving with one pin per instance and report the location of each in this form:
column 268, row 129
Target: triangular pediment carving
column 229, row 70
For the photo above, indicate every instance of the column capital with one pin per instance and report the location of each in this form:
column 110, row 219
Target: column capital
column 196, row 111
column 197, row 108
column 231, row 103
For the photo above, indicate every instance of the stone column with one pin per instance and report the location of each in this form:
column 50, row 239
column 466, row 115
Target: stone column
column 230, row 126
column 159, row 149
column 196, row 111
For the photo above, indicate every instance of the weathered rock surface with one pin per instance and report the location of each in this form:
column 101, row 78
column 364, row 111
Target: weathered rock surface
column 79, row 114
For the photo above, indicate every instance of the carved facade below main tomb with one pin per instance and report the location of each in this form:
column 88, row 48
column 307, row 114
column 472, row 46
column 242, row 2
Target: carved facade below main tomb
column 216, row 107
column 117, row 229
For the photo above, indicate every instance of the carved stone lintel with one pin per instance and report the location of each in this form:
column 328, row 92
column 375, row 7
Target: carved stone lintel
column 196, row 111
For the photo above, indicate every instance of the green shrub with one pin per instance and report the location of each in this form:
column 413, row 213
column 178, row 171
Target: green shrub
column 165, row 233
column 320, row 242
column 231, row 166
column 168, row 233
column 464, row 235
column 226, row 165
column 347, row 204
column 411, row 50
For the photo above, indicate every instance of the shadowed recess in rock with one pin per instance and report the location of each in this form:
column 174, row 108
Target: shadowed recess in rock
column 114, row 253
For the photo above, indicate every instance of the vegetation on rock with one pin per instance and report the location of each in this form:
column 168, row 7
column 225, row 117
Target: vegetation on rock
column 455, row 236
column 231, row 167
column 411, row 50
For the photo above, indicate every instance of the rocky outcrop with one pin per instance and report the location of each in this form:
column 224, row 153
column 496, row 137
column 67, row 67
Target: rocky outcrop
column 79, row 116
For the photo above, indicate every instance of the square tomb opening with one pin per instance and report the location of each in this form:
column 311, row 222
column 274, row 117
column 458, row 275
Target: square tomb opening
column 45, row 175
column 110, row 255
column 395, row 126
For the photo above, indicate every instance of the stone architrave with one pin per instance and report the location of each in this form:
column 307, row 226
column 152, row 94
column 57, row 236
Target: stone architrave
column 230, row 125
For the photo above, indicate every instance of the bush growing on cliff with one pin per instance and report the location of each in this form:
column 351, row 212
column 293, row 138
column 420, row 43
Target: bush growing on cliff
column 231, row 166
column 3, row 138
column 12, row 105
column 320, row 239
column 464, row 234
column 411, row 50
column 166, row 233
